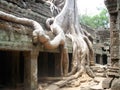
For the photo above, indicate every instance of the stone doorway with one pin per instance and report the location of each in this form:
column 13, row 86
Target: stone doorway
column 101, row 59
column 48, row 64
column 11, row 70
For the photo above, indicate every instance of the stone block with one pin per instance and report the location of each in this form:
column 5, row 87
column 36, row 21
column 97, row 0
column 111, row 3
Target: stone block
column 106, row 83
column 116, row 85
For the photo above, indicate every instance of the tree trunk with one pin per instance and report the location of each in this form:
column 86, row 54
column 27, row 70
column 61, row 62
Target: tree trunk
column 67, row 22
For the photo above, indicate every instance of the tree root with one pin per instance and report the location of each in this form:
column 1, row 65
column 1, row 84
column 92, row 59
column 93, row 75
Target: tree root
column 80, row 76
column 80, row 62
column 38, row 33
column 83, row 54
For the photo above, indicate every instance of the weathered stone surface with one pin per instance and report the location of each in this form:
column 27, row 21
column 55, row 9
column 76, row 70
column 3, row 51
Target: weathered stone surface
column 52, row 87
column 31, row 79
column 99, row 79
column 112, row 6
column 107, row 83
column 103, row 34
column 36, row 11
column 15, row 36
column 116, row 85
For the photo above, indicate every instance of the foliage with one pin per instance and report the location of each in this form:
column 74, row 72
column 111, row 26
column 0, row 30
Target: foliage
column 100, row 20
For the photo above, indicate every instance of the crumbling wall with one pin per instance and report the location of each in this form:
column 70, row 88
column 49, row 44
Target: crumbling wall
column 113, row 69
column 32, row 10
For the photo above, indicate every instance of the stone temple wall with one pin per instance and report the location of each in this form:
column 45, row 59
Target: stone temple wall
column 119, row 25
column 113, row 9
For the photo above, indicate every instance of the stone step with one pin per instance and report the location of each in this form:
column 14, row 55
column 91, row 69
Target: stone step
column 97, row 87
column 100, row 74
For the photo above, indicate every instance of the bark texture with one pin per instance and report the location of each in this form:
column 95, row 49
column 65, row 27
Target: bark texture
column 66, row 24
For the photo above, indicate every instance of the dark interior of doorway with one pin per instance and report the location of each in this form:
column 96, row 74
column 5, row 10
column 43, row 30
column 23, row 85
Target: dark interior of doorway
column 104, row 58
column 11, row 69
column 49, row 64
column 46, row 64
column 101, row 59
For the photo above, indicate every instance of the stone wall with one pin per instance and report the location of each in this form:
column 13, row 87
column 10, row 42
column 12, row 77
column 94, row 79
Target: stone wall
column 112, row 6
column 36, row 11
column 88, row 29
column 104, row 35
column 119, row 24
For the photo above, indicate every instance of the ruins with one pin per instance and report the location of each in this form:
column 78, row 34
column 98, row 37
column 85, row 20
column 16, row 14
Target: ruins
column 36, row 56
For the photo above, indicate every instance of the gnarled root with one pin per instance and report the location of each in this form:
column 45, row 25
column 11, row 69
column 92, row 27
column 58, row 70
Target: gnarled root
column 80, row 61
column 66, row 21
column 64, row 60
column 60, row 40
column 38, row 33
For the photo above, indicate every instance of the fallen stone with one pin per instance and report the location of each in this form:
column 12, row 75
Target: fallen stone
column 97, row 87
column 116, row 85
column 106, row 83
column 52, row 87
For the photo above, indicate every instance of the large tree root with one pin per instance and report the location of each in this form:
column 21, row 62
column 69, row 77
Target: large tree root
column 80, row 76
column 81, row 41
column 80, row 63
column 38, row 32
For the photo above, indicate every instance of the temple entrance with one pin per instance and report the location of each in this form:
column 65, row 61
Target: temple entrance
column 48, row 64
column 11, row 69
column 49, row 67
column 101, row 59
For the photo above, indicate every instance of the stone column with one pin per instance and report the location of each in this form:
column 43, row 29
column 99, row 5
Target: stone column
column 95, row 58
column 30, row 70
column 118, row 8
column 101, row 59
column 114, row 35
column 114, row 38
column 114, row 45
column 114, row 31
column 108, row 60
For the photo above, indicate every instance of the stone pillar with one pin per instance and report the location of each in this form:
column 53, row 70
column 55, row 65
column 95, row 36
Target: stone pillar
column 108, row 60
column 114, row 45
column 95, row 58
column 114, row 38
column 114, row 31
column 118, row 8
column 114, row 35
column 30, row 70
column 101, row 59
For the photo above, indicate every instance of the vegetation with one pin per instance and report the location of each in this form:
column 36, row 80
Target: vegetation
column 97, row 21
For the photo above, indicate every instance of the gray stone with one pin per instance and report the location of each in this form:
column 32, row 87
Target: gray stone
column 106, row 83
column 116, row 85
